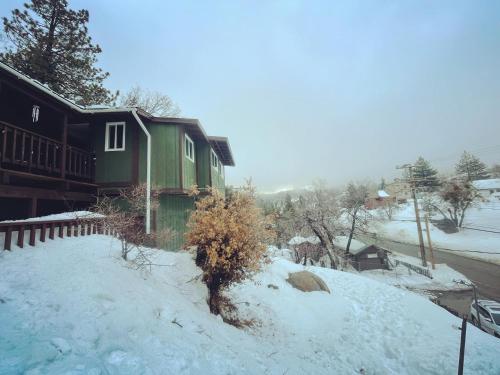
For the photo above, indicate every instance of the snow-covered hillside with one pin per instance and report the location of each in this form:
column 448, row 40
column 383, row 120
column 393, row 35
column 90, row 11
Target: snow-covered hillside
column 479, row 243
column 72, row 306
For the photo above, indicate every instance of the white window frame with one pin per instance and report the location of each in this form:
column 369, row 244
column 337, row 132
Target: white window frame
column 188, row 140
column 213, row 158
column 106, row 140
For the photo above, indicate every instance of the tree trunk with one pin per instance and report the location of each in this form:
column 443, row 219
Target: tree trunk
column 327, row 244
column 351, row 233
column 462, row 216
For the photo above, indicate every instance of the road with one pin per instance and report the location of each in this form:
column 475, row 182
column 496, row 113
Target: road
column 486, row 276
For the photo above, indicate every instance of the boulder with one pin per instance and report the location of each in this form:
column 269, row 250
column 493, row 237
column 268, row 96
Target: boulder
column 307, row 282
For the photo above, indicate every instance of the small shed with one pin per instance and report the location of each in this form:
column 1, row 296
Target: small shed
column 369, row 257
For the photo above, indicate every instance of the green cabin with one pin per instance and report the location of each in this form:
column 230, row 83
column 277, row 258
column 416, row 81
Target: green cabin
column 56, row 155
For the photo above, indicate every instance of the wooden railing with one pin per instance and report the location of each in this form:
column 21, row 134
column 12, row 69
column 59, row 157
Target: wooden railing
column 23, row 150
column 73, row 228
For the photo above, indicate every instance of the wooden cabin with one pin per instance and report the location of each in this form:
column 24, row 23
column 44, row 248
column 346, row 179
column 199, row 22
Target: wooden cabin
column 57, row 156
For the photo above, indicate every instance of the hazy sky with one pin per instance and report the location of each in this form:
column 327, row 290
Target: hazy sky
column 315, row 89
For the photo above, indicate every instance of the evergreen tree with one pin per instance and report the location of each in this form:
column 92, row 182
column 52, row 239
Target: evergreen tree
column 50, row 43
column 382, row 184
column 424, row 175
column 471, row 167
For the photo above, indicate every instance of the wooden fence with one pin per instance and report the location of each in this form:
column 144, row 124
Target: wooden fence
column 72, row 228
column 413, row 267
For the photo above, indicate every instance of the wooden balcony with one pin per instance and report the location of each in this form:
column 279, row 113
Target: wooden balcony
column 29, row 153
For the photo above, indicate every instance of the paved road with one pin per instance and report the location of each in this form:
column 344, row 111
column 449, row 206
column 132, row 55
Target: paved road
column 486, row 276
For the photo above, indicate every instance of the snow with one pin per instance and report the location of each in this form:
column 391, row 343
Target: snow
column 341, row 242
column 75, row 215
column 478, row 242
column 297, row 240
column 73, row 306
column 492, row 183
column 382, row 194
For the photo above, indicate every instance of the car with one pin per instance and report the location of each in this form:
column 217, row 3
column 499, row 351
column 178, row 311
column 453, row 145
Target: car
column 489, row 315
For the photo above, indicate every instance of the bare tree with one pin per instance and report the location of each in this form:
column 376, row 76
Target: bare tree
column 458, row 196
column 353, row 204
column 318, row 210
column 122, row 215
column 153, row 102
column 390, row 207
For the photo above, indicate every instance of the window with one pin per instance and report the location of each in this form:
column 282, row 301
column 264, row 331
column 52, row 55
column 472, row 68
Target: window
column 189, row 147
column 115, row 136
column 215, row 160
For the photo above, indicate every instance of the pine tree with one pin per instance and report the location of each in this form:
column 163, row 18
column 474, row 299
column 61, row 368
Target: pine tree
column 471, row 167
column 50, row 43
column 424, row 175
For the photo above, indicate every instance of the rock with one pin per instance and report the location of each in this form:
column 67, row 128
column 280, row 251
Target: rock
column 272, row 286
column 307, row 282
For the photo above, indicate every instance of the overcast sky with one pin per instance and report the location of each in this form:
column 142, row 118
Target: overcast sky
column 311, row 89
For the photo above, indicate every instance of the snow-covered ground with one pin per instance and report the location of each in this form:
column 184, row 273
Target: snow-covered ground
column 475, row 243
column 73, row 306
column 442, row 276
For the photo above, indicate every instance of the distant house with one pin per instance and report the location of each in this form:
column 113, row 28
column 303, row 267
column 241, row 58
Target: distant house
column 488, row 188
column 378, row 199
column 399, row 189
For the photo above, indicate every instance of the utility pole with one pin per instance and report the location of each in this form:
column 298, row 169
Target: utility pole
column 409, row 167
column 429, row 240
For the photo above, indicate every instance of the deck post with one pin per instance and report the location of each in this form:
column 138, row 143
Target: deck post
column 65, row 144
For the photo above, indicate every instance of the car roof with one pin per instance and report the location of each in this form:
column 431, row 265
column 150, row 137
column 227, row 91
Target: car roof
column 490, row 305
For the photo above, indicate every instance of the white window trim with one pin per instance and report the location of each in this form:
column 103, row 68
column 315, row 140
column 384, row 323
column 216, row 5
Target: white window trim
column 106, row 140
column 212, row 158
column 186, row 150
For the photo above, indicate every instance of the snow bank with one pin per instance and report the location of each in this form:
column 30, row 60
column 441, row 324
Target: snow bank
column 74, row 215
column 73, row 306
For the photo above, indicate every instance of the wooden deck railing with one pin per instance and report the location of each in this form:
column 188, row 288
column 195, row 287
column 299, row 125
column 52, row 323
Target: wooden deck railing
column 75, row 228
column 34, row 153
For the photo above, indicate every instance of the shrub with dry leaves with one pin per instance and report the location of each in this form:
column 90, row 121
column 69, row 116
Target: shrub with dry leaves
column 231, row 237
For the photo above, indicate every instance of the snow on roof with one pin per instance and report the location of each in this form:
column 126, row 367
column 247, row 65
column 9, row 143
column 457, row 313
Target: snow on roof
column 492, row 183
column 341, row 242
column 382, row 194
column 297, row 240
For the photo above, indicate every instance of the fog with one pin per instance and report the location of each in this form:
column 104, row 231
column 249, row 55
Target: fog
column 304, row 90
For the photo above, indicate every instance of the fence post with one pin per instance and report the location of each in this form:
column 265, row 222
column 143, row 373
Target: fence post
column 51, row 230
column 462, row 346
column 43, row 232
column 20, row 236
column 8, row 238
column 32, row 234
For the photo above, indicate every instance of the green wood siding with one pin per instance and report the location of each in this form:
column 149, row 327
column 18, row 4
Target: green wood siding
column 189, row 174
column 112, row 166
column 165, row 163
column 218, row 179
column 203, row 164
column 173, row 213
